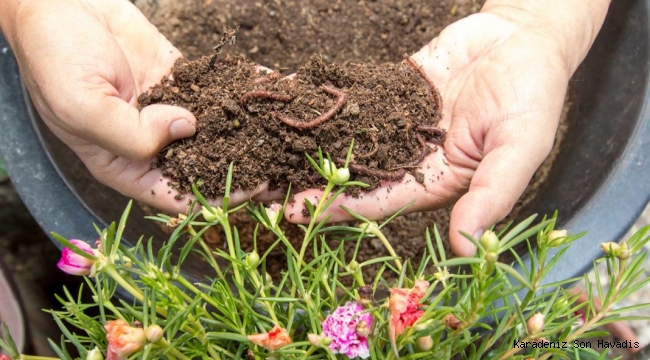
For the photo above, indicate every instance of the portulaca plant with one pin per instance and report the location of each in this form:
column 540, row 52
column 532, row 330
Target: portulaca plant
column 430, row 308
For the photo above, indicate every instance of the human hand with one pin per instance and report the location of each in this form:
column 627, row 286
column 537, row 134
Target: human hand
column 84, row 63
column 503, row 84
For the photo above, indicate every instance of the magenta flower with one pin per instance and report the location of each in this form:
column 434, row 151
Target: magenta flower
column 75, row 264
column 349, row 327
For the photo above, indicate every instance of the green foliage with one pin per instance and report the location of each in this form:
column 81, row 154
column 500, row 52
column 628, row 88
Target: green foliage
column 473, row 308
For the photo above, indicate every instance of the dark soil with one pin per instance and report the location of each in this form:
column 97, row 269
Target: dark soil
column 283, row 35
column 265, row 125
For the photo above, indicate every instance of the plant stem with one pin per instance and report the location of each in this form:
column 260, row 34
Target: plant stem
column 256, row 281
column 375, row 231
column 136, row 293
column 164, row 344
column 317, row 212
column 303, row 248
column 207, row 250
column 193, row 289
column 231, row 249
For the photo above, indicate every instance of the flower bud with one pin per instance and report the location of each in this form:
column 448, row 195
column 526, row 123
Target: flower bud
column 210, row 216
column 535, row 324
column 353, row 266
column 252, row 260
column 313, row 339
column 269, row 280
column 610, row 248
column 341, row 176
column 491, row 257
column 93, row 354
column 272, row 212
column 490, row 241
column 154, row 333
column 326, row 341
column 623, row 252
column 560, row 305
column 556, row 237
column 329, row 168
column 424, row 343
column 75, row 264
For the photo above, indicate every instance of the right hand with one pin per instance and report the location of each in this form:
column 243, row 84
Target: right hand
column 84, row 63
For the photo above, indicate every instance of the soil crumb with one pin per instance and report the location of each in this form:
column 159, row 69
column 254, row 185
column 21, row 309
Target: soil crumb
column 265, row 125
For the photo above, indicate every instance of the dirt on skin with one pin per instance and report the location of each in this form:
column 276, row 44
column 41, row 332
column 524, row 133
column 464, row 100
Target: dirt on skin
column 283, row 34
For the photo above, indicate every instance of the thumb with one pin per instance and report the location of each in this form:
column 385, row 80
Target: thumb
column 136, row 135
column 499, row 181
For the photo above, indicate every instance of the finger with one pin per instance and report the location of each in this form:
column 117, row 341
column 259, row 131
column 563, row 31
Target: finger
column 271, row 195
column 437, row 189
column 136, row 135
column 138, row 181
column 499, row 181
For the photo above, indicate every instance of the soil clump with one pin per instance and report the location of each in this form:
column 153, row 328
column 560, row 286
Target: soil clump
column 265, row 124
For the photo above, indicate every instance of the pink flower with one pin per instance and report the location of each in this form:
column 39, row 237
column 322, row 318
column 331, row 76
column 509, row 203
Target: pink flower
column 123, row 340
column 404, row 307
column 275, row 339
column 75, row 264
column 348, row 327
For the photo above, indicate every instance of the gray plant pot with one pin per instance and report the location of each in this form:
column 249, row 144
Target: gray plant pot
column 599, row 182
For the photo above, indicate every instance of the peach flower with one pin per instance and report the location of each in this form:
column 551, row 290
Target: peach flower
column 404, row 307
column 123, row 340
column 275, row 339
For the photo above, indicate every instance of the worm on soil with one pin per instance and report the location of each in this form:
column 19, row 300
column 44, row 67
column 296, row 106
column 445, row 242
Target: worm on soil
column 319, row 120
column 379, row 174
column 438, row 134
column 432, row 89
column 263, row 95
column 375, row 148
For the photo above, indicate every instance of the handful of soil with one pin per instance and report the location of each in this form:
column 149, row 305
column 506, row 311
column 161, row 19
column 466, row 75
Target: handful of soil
column 266, row 124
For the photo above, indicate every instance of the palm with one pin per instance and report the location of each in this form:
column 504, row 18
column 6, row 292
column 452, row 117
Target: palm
column 498, row 91
column 85, row 79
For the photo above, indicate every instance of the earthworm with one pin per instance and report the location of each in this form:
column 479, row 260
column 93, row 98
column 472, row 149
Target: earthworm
column 379, row 174
column 272, row 76
column 438, row 134
column 319, row 120
column 375, row 148
column 426, row 150
column 264, row 95
column 432, row 89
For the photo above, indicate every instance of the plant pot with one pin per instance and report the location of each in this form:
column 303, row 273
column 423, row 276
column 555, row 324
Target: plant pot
column 11, row 311
column 599, row 182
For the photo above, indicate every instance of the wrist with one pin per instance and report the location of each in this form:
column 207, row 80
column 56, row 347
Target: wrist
column 572, row 25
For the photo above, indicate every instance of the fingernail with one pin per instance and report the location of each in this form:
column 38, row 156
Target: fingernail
column 181, row 128
column 478, row 234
